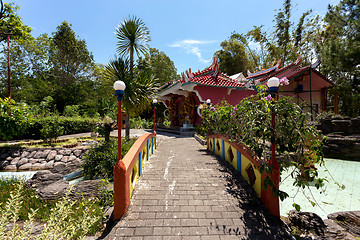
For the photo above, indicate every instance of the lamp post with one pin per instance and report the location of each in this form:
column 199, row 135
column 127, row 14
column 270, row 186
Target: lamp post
column 119, row 168
column 208, row 101
column 119, row 87
column 273, row 84
column 154, row 104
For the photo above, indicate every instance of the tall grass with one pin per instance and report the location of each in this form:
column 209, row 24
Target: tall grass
column 63, row 219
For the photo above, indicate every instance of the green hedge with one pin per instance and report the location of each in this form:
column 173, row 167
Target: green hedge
column 71, row 125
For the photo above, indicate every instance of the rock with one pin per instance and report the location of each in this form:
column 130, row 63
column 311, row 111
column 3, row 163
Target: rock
column 334, row 231
column 9, row 158
column 51, row 155
column 61, row 152
column 307, row 221
column 22, row 162
column 89, row 188
column 71, row 158
column 350, row 221
column 65, row 159
column 54, row 190
column 38, row 154
column 67, row 152
column 43, row 178
column 355, row 124
column 10, row 168
column 15, row 161
column 3, row 164
column 26, row 166
column 59, row 167
column 24, row 154
column 16, row 153
column 50, row 164
column 39, row 166
column 33, row 160
column 77, row 152
column 45, row 153
column 32, row 154
column 58, row 158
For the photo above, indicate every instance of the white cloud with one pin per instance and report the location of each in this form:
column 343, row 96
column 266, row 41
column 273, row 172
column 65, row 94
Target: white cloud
column 191, row 47
column 255, row 46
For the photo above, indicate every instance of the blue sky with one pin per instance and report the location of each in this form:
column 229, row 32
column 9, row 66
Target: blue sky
column 189, row 32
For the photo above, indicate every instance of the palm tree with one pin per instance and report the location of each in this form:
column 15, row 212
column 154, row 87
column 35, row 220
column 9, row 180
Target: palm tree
column 138, row 89
column 132, row 35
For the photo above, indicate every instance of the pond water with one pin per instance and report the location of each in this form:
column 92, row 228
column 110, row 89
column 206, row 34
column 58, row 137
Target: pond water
column 333, row 199
column 18, row 175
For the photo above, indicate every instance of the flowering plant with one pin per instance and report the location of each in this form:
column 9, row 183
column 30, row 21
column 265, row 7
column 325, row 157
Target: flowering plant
column 249, row 122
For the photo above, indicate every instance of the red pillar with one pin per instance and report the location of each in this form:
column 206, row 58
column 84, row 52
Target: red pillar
column 120, row 176
column 274, row 207
column 154, row 117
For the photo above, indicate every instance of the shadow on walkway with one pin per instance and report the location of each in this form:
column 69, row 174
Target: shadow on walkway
column 259, row 224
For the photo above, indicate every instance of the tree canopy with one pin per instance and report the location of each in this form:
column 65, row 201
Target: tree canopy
column 339, row 48
column 11, row 24
column 159, row 65
column 233, row 57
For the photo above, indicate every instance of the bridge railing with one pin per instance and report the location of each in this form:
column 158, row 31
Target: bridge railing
column 129, row 169
column 240, row 157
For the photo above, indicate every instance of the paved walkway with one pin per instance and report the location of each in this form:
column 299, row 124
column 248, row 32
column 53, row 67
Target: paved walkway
column 186, row 193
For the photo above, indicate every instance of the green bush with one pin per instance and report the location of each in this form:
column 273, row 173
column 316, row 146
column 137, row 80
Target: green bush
column 72, row 111
column 51, row 130
column 14, row 119
column 297, row 143
column 70, row 125
column 139, row 123
column 99, row 162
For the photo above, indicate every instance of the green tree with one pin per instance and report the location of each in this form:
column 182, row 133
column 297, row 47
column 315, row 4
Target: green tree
column 71, row 67
column 132, row 35
column 287, row 40
column 339, row 48
column 158, row 64
column 233, row 57
column 138, row 89
column 11, row 24
column 30, row 69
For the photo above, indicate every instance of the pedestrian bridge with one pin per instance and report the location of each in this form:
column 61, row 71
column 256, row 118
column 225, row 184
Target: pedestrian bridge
column 186, row 192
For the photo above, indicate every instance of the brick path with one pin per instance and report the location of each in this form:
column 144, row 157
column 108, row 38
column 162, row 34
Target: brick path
column 186, row 193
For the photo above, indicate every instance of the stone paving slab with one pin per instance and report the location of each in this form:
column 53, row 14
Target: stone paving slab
column 187, row 193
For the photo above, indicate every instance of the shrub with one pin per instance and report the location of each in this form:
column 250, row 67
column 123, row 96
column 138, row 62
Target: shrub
column 72, row 111
column 66, row 219
column 105, row 126
column 249, row 122
column 14, row 119
column 99, row 162
column 51, row 130
column 139, row 123
column 70, row 125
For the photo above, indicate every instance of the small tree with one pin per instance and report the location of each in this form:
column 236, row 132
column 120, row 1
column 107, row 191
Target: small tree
column 51, row 130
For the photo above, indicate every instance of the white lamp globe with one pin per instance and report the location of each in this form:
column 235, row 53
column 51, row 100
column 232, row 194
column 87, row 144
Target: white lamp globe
column 155, row 101
column 208, row 101
column 119, row 85
column 273, row 82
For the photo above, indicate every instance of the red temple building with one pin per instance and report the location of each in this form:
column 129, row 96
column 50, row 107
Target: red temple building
column 185, row 97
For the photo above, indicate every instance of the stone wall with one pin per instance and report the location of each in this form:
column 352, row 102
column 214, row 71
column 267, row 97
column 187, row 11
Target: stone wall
column 343, row 138
column 29, row 159
column 345, row 126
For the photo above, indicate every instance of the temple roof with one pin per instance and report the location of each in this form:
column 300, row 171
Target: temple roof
column 290, row 71
column 209, row 77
